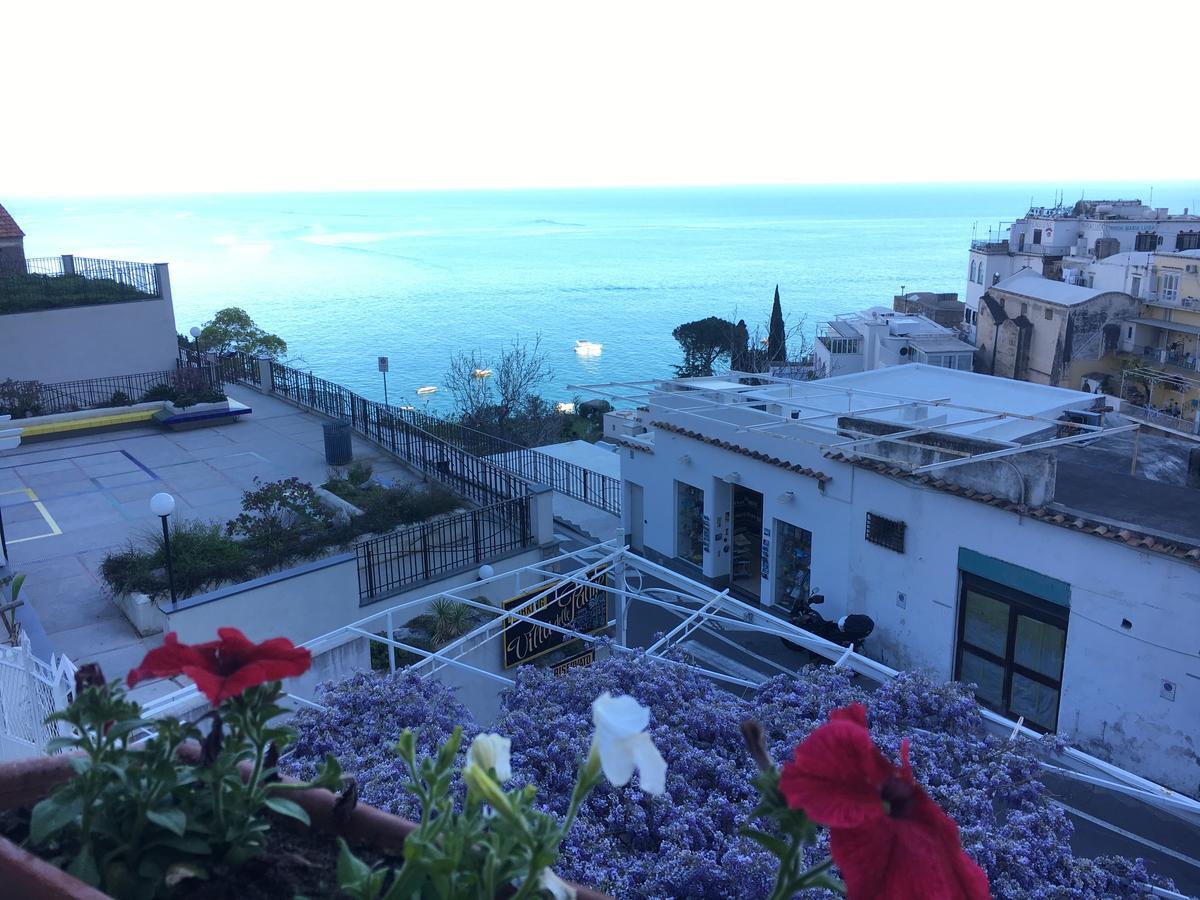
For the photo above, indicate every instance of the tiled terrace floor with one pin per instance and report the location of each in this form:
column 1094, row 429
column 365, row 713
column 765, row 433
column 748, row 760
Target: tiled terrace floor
column 69, row 502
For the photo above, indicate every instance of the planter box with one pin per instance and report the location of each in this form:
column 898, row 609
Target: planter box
column 24, row 782
column 84, row 421
column 201, row 415
column 142, row 612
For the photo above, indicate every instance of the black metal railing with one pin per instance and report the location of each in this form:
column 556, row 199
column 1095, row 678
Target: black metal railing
column 476, row 479
column 236, row 367
column 54, row 281
column 32, row 398
column 410, row 556
column 478, row 465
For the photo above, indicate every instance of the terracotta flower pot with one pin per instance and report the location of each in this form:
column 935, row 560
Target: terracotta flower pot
column 24, row 782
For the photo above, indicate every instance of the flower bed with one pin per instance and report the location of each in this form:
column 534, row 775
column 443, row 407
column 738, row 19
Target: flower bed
column 687, row 842
column 282, row 524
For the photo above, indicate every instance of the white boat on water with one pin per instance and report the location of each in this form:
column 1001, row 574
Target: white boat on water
column 427, row 389
column 587, row 348
column 482, row 373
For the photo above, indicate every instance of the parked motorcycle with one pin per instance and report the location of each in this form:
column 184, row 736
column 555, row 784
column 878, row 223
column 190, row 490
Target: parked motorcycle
column 848, row 631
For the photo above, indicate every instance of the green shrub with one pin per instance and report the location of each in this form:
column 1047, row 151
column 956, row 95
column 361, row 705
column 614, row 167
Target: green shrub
column 20, row 398
column 391, row 508
column 118, row 398
column 202, row 558
column 160, row 392
column 281, row 522
column 28, row 293
column 359, row 473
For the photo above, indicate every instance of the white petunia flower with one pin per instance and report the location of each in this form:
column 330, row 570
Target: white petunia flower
column 491, row 751
column 557, row 888
column 623, row 744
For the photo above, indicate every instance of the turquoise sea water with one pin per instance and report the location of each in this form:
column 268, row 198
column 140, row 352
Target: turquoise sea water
column 415, row 276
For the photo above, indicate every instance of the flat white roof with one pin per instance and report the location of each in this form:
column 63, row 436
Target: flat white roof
column 1028, row 283
column 1017, row 415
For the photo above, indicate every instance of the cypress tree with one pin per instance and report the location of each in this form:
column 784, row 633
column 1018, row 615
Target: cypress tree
column 776, row 339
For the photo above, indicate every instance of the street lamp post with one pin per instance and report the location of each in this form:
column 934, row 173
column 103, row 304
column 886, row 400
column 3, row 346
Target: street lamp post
column 162, row 505
column 195, row 332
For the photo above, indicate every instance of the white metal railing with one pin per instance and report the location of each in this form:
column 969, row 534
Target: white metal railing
column 30, row 689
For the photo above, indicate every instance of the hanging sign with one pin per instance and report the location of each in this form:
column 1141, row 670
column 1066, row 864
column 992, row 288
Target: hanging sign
column 567, row 604
column 582, row 659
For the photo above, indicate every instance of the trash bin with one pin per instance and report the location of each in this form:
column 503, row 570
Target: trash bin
column 339, row 451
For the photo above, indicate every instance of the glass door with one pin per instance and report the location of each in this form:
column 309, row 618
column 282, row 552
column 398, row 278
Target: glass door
column 689, row 523
column 1011, row 646
column 746, row 540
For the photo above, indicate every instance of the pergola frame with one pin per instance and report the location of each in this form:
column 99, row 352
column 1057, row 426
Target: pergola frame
column 702, row 610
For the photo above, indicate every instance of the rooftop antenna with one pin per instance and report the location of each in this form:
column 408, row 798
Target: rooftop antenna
column 1151, row 196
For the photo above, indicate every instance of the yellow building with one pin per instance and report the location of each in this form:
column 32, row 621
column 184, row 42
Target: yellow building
column 1161, row 346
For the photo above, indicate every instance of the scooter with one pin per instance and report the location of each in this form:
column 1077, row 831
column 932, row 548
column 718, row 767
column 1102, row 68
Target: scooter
column 848, row 631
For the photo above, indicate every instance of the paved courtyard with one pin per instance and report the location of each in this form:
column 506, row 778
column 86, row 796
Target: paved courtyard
column 67, row 503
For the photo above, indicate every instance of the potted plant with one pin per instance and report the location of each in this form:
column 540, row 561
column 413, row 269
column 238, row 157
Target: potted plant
column 204, row 812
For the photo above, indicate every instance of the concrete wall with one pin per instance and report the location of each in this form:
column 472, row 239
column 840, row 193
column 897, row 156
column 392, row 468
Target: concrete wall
column 1112, row 700
column 1072, row 335
column 80, row 342
column 303, row 603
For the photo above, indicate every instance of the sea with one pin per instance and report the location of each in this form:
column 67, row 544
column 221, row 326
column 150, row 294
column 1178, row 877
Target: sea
column 346, row 278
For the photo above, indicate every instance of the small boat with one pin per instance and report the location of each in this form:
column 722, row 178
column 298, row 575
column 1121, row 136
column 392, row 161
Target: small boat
column 587, row 348
column 426, row 389
column 408, row 408
column 482, row 373
column 565, row 407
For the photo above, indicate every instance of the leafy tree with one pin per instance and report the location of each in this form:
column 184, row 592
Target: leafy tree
column 703, row 343
column 506, row 401
column 739, row 350
column 776, row 335
column 233, row 331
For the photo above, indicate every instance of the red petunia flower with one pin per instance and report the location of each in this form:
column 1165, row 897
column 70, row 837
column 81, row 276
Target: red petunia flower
column 888, row 838
column 224, row 667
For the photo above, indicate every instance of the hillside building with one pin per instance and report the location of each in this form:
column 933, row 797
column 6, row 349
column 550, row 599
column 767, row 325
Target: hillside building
column 944, row 505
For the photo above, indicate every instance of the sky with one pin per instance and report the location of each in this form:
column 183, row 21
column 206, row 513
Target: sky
column 162, row 97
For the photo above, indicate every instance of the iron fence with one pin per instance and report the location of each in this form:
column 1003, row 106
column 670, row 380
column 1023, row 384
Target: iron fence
column 477, row 479
column 236, row 367
column 32, row 398
column 480, row 466
column 63, row 281
column 388, row 564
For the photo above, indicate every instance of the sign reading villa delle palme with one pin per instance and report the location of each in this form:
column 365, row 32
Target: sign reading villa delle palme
column 567, row 604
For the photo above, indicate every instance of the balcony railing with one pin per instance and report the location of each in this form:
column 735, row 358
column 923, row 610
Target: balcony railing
column 990, row 246
column 840, row 346
column 62, row 281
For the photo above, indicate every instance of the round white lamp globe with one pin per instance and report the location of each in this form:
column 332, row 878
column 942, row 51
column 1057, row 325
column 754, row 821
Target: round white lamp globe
column 486, row 571
column 162, row 504
column 194, row 332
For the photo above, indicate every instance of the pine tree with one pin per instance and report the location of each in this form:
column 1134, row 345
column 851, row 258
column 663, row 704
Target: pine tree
column 776, row 338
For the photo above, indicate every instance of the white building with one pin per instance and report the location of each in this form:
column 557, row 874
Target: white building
column 880, row 337
column 942, row 504
column 1053, row 240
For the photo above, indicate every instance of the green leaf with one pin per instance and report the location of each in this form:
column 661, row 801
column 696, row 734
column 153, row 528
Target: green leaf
column 197, row 846
column 52, row 815
column 61, row 743
column 287, row 808
column 350, row 869
column 172, row 819
column 767, row 841
column 83, row 867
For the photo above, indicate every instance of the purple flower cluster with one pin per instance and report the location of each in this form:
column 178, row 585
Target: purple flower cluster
column 363, row 717
column 686, row 842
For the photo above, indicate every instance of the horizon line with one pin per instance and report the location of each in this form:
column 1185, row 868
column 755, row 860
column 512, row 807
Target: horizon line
column 1149, row 185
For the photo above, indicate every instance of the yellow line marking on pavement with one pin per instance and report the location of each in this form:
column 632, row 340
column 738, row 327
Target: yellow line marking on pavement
column 41, row 508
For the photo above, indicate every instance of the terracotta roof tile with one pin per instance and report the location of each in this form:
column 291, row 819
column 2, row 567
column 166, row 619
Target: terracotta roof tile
column 8, row 226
